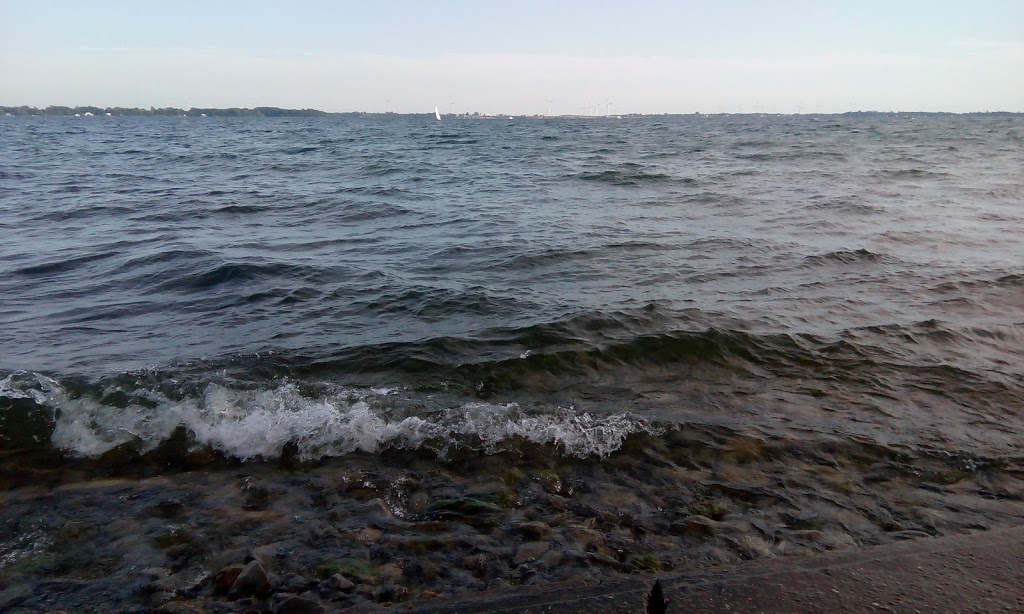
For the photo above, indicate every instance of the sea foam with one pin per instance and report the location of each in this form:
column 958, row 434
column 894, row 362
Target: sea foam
column 258, row 424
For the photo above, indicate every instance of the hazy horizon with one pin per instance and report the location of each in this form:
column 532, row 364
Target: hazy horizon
column 430, row 112
column 529, row 58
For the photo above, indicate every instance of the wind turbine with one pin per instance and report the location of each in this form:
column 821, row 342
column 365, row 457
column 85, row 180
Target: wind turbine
column 549, row 101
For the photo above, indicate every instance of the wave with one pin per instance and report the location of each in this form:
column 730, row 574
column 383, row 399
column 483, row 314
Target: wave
column 1011, row 281
column 629, row 175
column 61, row 266
column 380, row 169
column 389, row 191
column 292, row 151
column 233, row 273
column 913, row 173
column 500, row 387
column 241, row 209
column 848, row 257
column 778, row 156
column 847, row 205
column 254, row 424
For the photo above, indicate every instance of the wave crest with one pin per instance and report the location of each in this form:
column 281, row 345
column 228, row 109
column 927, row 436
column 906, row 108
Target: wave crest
column 262, row 424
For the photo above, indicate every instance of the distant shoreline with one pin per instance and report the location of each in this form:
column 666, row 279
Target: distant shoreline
column 90, row 111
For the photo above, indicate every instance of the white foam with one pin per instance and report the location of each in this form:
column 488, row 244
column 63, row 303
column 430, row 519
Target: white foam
column 251, row 424
column 28, row 385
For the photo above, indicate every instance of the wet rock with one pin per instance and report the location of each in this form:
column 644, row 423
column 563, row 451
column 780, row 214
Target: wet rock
column 836, row 540
column 389, row 573
column 170, row 508
column 801, row 520
column 551, row 483
column 13, row 596
column 909, row 534
column 752, row 547
column 534, row 580
column 602, row 560
column 389, row 593
column 590, row 539
column 155, row 573
column 462, row 506
column 358, row 570
column 252, row 580
column 806, row 535
column 380, row 515
column 530, row 551
column 525, row 573
column 270, row 556
column 477, row 563
column 369, row 536
column 884, row 520
column 299, row 605
column 24, row 424
column 534, row 530
column 178, row 607
column 422, row 571
column 695, row 526
column 175, row 537
column 550, row 560
column 228, row 557
column 421, row 543
column 715, row 510
column 337, row 584
column 165, row 583
column 294, row 583
column 498, row 584
column 75, row 530
column 290, row 458
column 257, row 498
column 418, row 502
column 225, row 578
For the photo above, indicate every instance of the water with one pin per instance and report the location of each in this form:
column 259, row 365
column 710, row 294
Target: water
column 371, row 284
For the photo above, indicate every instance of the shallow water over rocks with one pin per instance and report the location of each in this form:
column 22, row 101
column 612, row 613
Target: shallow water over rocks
column 404, row 527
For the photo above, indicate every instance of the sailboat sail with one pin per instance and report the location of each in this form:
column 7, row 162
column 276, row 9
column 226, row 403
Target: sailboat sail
column 437, row 113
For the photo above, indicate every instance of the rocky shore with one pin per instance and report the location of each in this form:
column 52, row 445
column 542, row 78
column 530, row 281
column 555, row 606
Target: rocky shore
column 177, row 530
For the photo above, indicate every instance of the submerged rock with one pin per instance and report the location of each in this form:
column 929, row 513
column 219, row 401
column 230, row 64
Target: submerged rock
column 530, row 551
column 179, row 607
column 294, row 583
column 535, row 530
column 24, row 424
column 696, row 526
column 337, row 583
column 299, row 605
column 462, row 506
column 252, row 580
column 225, row 578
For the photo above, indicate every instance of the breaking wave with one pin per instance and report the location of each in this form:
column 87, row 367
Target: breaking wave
column 260, row 424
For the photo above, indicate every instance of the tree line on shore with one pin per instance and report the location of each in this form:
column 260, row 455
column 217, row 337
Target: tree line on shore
column 62, row 111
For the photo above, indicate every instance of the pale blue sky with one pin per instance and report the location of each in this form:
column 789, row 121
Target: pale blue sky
column 517, row 57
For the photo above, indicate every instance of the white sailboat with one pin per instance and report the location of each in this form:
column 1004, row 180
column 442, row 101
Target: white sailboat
column 437, row 113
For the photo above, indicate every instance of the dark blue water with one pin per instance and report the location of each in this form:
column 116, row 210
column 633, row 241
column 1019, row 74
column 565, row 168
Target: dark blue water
column 362, row 283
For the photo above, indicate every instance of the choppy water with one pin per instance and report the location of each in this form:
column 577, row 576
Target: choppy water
column 360, row 284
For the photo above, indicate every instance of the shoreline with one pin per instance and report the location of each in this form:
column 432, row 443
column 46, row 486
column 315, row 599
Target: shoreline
column 403, row 529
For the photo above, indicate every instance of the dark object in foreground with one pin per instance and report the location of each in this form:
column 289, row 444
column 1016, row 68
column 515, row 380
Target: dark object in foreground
column 656, row 600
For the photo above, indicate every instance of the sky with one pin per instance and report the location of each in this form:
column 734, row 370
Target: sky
column 519, row 57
